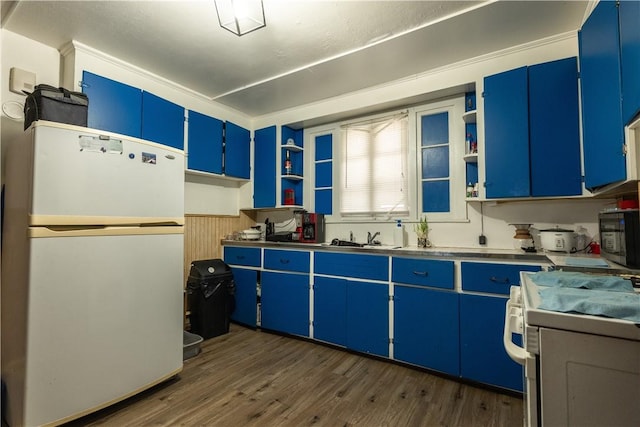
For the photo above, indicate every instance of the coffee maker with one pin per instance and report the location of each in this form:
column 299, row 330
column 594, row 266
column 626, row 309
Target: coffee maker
column 298, row 216
column 312, row 228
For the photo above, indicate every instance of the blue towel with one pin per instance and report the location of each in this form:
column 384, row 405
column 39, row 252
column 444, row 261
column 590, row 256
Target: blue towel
column 619, row 305
column 567, row 279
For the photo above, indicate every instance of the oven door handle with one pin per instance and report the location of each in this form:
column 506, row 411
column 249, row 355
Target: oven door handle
column 513, row 323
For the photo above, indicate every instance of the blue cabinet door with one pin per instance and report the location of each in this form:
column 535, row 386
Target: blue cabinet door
column 264, row 168
column 368, row 317
column 371, row 267
column 492, row 278
column 507, row 134
column 330, row 310
column 554, row 121
column 162, row 121
column 629, row 16
column 426, row 328
column 286, row 260
column 246, row 296
column 482, row 354
column 236, row 255
column 237, row 157
column 603, row 138
column 113, row 106
column 205, row 143
column 284, row 301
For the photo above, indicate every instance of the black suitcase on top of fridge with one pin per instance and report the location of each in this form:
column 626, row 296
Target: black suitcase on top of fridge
column 211, row 297
column 56, row 105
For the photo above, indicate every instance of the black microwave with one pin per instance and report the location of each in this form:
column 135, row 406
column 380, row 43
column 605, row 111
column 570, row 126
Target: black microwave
column 620, row 236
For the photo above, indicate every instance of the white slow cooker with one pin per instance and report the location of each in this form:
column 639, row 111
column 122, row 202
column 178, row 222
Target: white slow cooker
column 557, row 240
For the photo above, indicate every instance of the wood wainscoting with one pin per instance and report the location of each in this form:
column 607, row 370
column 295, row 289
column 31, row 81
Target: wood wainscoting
column 202, row 236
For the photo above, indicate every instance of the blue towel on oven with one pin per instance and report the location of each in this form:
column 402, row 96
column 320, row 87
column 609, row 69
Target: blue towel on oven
column 618, row 305
column 567, row 279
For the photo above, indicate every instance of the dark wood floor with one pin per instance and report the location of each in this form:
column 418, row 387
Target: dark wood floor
column 252, row 378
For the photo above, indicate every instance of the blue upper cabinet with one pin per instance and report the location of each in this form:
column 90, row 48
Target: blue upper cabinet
column 629, row 16
column 205, row 143
column 113, row 106
column 554, row 132
column 237, row 156
column 507, row 134
column 532, row 131
column 435, row 162
column 264, row 168
column 162, row 121
column 324, row 174
column 600, row 77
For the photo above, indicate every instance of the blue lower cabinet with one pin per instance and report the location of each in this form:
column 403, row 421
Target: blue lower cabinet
column 426, row 328
column 246, row 296
column 330, row 310
column 285, row 302
column 368, row 317
column 482, row 354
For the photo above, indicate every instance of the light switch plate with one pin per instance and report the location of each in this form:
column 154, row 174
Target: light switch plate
column 21, row 81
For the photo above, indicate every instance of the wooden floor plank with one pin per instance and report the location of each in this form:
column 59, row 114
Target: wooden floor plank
column 254, row 378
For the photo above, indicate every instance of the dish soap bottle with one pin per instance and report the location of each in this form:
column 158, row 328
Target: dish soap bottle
column 469, row 190
column 398, row 234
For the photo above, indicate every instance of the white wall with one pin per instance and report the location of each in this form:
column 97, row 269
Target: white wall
column 28, row 55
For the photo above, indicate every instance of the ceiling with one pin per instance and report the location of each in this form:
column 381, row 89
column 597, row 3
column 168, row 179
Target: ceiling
column 309, row 50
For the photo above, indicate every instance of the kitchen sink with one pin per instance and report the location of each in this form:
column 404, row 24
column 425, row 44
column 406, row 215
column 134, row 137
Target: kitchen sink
column 338, row 242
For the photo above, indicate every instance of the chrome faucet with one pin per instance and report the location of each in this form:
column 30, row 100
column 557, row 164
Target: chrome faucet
column 370, row 237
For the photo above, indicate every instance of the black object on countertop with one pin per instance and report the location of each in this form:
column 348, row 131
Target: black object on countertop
column 280, row 236
column 211, row 297
column 338, row 242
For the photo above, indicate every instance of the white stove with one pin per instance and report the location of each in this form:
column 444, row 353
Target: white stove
column 580, row 370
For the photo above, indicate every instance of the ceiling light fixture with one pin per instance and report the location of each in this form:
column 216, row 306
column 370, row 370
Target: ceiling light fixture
column 240, row 16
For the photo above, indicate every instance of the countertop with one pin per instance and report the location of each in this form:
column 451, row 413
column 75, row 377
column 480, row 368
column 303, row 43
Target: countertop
column 561, row 261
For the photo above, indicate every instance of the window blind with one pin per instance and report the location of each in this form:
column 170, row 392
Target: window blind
column 374, row 167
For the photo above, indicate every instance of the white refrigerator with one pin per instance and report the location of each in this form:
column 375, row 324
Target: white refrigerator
column 92, row 271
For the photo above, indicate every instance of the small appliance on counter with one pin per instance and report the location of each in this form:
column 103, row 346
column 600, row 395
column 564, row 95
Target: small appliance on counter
column 522, row 239
column 298, row 216
column 620, row 236
column 312, row 228
column 280, row 236
column 557, row 240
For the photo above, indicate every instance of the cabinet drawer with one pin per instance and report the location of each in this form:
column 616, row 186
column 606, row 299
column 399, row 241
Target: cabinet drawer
column 493, row 278
column 422, row 272
column 242, row 256
column 275, row 259
column 372, row 267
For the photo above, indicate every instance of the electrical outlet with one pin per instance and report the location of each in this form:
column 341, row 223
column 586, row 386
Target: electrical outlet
column 482, row 239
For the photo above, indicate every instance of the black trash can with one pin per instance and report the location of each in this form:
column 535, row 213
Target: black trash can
column 211, row 297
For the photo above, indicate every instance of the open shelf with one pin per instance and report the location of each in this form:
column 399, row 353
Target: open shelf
column 469, row 116
column 292, row 147
column 471, row 158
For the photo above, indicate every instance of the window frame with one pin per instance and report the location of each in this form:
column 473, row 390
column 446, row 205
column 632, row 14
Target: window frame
column 455, row 106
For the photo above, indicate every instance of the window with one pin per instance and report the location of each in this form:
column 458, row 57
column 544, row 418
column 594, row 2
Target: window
column 373, row 167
